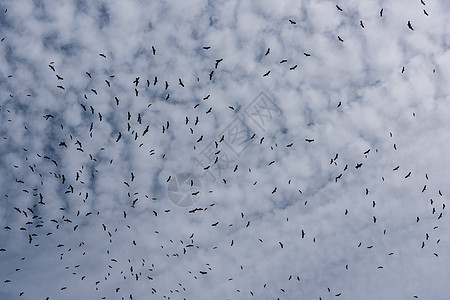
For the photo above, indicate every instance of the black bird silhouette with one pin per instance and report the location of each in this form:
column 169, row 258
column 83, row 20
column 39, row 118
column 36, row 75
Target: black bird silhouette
column 281, row 245
column 293, row 68
column 217, row 62
column 292, row 22
column 410, row 26
column 53, row 68
column 88, row 74
column 102, row 55
column 210, row 75
column 340, row 39
column 118, row 138
column 153, row 50
column 306, row 54
column 358, row 166
column 403, row 69
column 361, row 23
column 180, row 82
column 268, row 50
column 339, row 104
column 61, row 87
column 425, row 12
column 338, row 8
column 59, row 77
column 266, row 74
column 94, row 91
column 421, row 1
column 381, row 12
column 309, row 140
column 407, row 175
column 136, row 92
column 283, row 61
column 206, row 47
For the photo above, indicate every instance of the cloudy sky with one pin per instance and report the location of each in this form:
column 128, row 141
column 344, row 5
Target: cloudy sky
column 224, row 149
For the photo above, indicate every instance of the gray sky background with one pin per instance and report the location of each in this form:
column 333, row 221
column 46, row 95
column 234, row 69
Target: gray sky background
column 106, row 227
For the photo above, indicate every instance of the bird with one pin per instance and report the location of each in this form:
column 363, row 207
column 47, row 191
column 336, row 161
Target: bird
column 59, row 77
column 407, row 175
column 338, row 8
column 293, row 68
column 267, row 52
column 206, row 47
column 217, row 62
column 153, row 50
column 102, row 55
column 306, row 54
column 119, row 136
column 281, row 245
column 339, row 104
column 180, row 82
column 292, row 22
column 410, row 26
column 283, row 61
column 340, row 39
column 266, row 74
column 88, row 74
column 403, row 69
column 425, row 12
column 381, row 12
column 309, row 140
column 210, row 75
column 361, row 23
column 53, row 68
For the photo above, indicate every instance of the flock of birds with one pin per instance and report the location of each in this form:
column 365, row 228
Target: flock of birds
column 32, row 221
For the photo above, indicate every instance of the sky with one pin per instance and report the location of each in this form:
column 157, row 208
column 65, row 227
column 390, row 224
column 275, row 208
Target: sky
column 224, row 149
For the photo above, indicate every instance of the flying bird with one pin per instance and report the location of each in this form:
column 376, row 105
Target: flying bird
column 410, row 26
column 381, row 12
column 292, row 22
column 266, row 74
column 338, row 8
column 102, row 55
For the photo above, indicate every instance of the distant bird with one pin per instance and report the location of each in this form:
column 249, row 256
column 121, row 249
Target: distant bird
column 53, row 68
column 180, row 82
column 407, row 175
column 359, row 165
column 281, row 245
column 102, row 55
column 339, row 104
column 381, row 12
column 421, row 1
column 425, row 12
column 403, row 69
column 292, row 22
column 210, row 75
column 283, row 61
column 410, row 26
column 217, row 62
column 361, row 23
column 94, row 91
column 88, row 74
column 338, row 8
column 59, row 77
column 340, row 39
column 293, row 68
column 61, row 87
column 118, row 138
column 309, row 140
column 153, row 50
column 267, row 52
column 266, row 74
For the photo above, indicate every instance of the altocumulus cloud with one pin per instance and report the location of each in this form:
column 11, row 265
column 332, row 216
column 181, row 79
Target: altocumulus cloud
column 325, row 178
